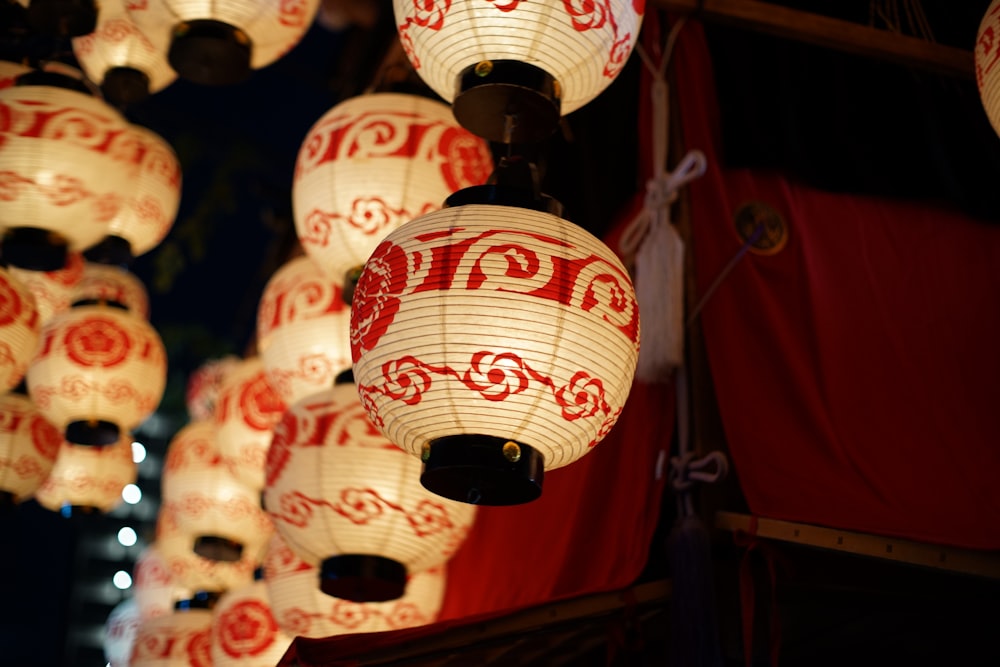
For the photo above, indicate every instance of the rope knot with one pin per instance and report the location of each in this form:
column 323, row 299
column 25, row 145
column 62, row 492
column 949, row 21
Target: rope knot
column 661, row 192
column 685, row 469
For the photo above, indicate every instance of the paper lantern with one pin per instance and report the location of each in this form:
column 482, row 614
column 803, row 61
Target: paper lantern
column 525, row 61
column 244, row 633
column 112, row 284
column 100, row 371
column 121, row 58
column 204, row 385
column 221, row 516
column 303, row 328
column 155, row 588
column 301, row 609
column 69, row 162
column 373, row 162
column 246, row 412
column 53, row 290
column 192, row 572
column 345, row 497
column 20, row 329
column 217, row 43
column 180, row 639
column 120, row 630
column 28, row 447
column 494, row 342
column 87, row 477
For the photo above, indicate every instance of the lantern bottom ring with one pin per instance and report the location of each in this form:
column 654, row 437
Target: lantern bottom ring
column 35, row 249
column 214, row 547
column 474, row 468
column 507, row 101
column 92, row 432
column 124, row 85
column 200, row 600
column 210, row 52
column 362, row 578
column 112, row 250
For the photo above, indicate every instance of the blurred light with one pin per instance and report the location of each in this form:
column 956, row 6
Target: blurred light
column 127, row 536
column 122, row 579
column 131, row 494
column 138, row 452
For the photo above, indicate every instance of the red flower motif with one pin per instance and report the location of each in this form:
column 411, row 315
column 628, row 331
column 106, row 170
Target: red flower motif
column 496, row 376
column 318, row 225
column 360, row 505
column 609, row 421
column 372, row 215
column 429, row 518
column 508, row 6
column 618, row 55
column 405, row 379
column 97, row 341
column 405, row 615
column 430, row 13
column 199, row 648
column 45, row 437
column 347, row 614
column 587, row 14
column 582, row 397
column 466, row 159
column 246, row 629
column 375, row 298
column 295, row 621
column 11, row 305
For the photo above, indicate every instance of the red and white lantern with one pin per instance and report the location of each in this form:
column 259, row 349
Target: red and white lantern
column 303, row 330
column 244, row 632
column 112, row 284
column 495, row 337
column 370, row 164
column 247, row 411
column 343, row 496
column 53, row 290
column 119, row 632
column 155, row 588
column 29, row 445
column 221, row 516
column 182, row 638
column 192, row 572
column 20, row 329
column 89, row 477
column 100, row 371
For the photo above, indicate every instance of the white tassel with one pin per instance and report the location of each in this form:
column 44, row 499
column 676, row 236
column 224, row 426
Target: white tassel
column 659, row 287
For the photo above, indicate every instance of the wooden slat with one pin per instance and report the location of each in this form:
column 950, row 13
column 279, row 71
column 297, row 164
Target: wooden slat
column 953, row 559
column 831, row 33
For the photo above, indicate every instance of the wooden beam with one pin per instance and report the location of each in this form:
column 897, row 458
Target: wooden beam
column 953, row 559
column 829, row 32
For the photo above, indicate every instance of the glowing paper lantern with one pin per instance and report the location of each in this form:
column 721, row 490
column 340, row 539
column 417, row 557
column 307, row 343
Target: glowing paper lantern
column 301, row 609
column 221, row 517
column 303, row 328
column 20, row 329
column 539, row 59
column 370, row 164
column 112, row 284
column 99, row 373
column 53, row 290
column 204, row 385
column 493, row 342
column 121, row 58
column 180, row 639
column 222, row 42
column 246, row 412
column 119, row 632
column 28, row 447
column 88, row 477
column 155, row 588
column 343, row 496
column 69, row 162
column 244, row 633
column 192, row 572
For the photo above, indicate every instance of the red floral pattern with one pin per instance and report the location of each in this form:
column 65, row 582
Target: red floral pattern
column 246, row 629
column 377, row 296
column 97, row 341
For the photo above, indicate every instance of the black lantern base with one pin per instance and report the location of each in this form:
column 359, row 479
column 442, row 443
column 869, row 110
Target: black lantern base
column 111, row 250
column 210, row 52
column 218, row 548
column 63, row 18
column 362, row 578
column 200, row 600
column 507, row 101
column 34, row 249
column 93, row 432
column 125, row 85
column 483, row 470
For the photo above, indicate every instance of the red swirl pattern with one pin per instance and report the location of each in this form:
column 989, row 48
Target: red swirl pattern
column 97, row 341
column 295, row 296
column 199, row 648
column 45, row 437
column 11, row 304
column 246, row 629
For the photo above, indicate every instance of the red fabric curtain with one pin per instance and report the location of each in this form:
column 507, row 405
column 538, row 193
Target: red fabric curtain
column 857, row 370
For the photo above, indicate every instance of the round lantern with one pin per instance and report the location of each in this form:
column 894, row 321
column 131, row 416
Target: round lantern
column 118, row 56
column 28, row 448
column 343, row 496
column 20, row 329
column 155, row 588
column 987, row 59
column 100, row 371
column 301, row 609
column 246, row 412
column 114, row 285
column 244, row 633
column 119, row 632
column 373, row 162
column 182, row 638
column 192, row 572
column 303, row 328
column 217, row 43
column 204, row 385
column 221, row 516
column 511, row 69
column 69, row 161
column 89, row 478
column 494, row 342
column 53, row 290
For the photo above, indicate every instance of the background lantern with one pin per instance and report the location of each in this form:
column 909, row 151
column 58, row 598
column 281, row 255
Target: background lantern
column 204, row 385
column 53, row 290
column 493, row 342
column 112, row 284
column 373, row 162
column 119, row 632
column 346, row 498
column 301, row 609
column 525, row 62
column 221, row 517
column 91, row 478
column 221, row 43
column 99, row 373
column 155, row 587
column 71, row 162
column 29, row 445
column 20, row 329
column 244, row 633
column 303, row 328
column 182, row 638
column 195, row 573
